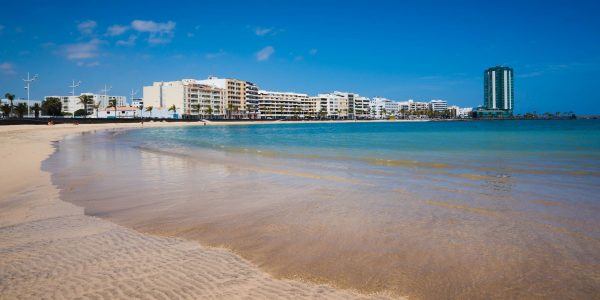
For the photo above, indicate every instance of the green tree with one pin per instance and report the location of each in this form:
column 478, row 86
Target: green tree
column 149, row 110
column 21, row 109
column 10, row 98
column 5, row 109
column 173, row 108
column 229, row 110
column 52, row 106
column 80, row 113
column 36, row 109
column 85, row 100
column 210, row 112
column 96, row 107
column 112, row 103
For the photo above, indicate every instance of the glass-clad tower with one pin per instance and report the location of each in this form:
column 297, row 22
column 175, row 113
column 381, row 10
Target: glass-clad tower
column 498, row 89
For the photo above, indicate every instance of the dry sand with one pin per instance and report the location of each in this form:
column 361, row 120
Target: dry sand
column 50, row 249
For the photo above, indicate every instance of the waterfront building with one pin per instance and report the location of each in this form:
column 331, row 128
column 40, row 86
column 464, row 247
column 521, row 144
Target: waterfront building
column 382, row 107
column 70, row 104
column 240, row 97
column 277, row 105
column 336, row 105
column 438, row 105
column 498, row 93
column 316, row 107
column 460, row 112
column 191, row 98
column 361, row 107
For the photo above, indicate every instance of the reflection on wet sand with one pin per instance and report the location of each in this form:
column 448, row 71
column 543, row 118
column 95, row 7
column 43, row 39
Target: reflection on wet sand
column 367, row 225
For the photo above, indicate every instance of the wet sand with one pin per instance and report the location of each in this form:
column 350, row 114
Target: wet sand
column 50, row 249
column 472, row 236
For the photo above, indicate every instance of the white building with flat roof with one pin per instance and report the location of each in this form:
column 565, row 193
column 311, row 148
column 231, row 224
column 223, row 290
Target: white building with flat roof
column 191, row 98
column 70, row 103
column 383, row 107
column 438, row 105
column 276, row 105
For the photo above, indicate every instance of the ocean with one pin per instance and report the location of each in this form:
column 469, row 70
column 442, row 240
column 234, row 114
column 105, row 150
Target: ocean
column 461, row 209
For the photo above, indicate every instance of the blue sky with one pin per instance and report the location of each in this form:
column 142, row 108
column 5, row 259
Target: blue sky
column 418, row 50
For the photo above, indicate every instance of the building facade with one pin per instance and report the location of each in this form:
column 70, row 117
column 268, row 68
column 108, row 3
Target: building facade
column 70, row 104
column 191, row 98
column 438, row 105
column 498, row 93
column 240, row 97
column 281, row 105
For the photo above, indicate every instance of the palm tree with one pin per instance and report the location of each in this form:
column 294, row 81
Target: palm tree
column 173, row 108
column 149, row 109
column 36, row 108
column 229, row 109
column 112, row 103
column 5, row 110
column 21, row 109
column 85, row 100
column 10, row 98
column 96, row 107
column 210, row 112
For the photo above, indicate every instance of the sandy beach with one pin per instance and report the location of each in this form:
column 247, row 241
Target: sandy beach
column 50, row 249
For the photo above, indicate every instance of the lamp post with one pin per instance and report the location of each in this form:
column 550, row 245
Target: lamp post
column 28, row 82
column 73, row 86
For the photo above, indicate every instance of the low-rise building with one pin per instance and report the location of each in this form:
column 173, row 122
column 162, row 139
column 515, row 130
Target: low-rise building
column 438, row 105
column 70, row 103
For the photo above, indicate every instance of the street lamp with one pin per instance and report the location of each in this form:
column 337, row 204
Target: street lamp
column 28, row 82
column 73, row 86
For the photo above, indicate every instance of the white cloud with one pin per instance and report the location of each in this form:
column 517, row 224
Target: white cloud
column 79, row 51
column 313, row 51
column 129, row 42
column 159, row 33
column 265, row 53
column 190, row 34
column 7, row 68
column 87, row 27
column 116, row 30
column 262, row 31
column 89, row 65
column 214, row 55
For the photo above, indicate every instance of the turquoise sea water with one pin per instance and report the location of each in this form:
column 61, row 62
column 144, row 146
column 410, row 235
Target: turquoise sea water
column 473, row 209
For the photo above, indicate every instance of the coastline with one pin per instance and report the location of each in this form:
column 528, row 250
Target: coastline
column 49, row 243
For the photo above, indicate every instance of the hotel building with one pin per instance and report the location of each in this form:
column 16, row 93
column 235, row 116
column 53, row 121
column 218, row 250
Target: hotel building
column 240, row 96
column 191, row 98
column 276, row 105
column 498, row 93
column 438, row 105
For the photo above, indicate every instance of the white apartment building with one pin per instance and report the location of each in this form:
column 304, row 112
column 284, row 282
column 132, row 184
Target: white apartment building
column 461, row 112
column 438, row 105
column 383, row 107
column 70, row 103
column 316, row 107
column 276, row 105
column 191, row 98
column 335, row 105
column 240, row 97
column 361, row 107
column 412, row 106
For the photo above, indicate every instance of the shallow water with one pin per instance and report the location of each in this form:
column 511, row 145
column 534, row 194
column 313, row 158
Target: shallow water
column 503, row 209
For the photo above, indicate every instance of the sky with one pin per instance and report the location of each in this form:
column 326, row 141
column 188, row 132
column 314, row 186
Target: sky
column 400, row 50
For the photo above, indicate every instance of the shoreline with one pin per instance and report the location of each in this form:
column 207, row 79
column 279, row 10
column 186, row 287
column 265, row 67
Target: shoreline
column 47, row 242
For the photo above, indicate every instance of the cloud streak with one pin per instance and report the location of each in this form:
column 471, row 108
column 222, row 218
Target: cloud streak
column 87, row 27
column 80, row 51
column 265, row 53
column 158, row 33
column 7, row 68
